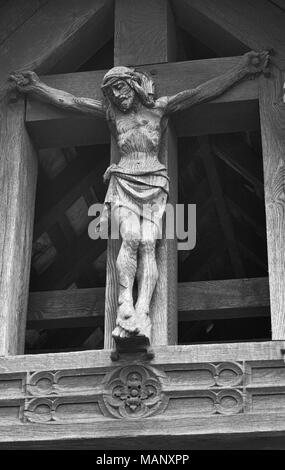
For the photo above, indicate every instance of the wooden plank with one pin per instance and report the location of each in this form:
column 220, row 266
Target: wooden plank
column 55, row 38
column 60, row 36
column 221, row 207
column 235, row 110
column 218, row 432
column 272, row 115
column 18, row 170
column 139, row 38
column 164, row 303
column 111, row 292
column 235, row 298
column 279, row 4
column 228, row 29
column 266, row 441
column 222, row 401
column 14, row 13
column 227, row 294
column 170, row 355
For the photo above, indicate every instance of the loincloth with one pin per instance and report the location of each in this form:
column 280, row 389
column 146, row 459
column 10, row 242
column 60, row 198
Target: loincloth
column 144, row 193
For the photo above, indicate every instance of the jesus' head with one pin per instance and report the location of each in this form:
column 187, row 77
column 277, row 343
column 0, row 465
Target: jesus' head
column 123, row 85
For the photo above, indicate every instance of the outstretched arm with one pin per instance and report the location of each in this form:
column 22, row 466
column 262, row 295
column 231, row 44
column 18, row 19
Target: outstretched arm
column 29, row 82
column 251, row 63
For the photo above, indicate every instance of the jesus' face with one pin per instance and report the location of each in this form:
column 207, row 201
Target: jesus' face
column 122, row 95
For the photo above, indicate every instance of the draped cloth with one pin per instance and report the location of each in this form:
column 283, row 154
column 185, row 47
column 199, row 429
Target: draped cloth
column 143, row 193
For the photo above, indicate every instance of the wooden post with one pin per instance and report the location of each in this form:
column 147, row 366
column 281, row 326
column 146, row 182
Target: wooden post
column 272, row 115
column 18, row 170
column 155, row 43
column 42, row 45
column 144, row 32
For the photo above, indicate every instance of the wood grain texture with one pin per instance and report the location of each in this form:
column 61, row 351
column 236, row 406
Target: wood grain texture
column 111, row 292
column 164, row 304
column 53, row 309
column 237, row 109
column 235, row 298
column 228, row 294
column 272, row 115
column 57, row 37
column 170, row 356
column 279, row 4
column 18, row 170
column 139, row 35
column 229, row 28
column 250, row 433
column 14, row 14
column 46, row 41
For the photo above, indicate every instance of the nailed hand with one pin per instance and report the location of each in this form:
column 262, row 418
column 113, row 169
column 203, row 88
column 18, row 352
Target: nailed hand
column 25, row 81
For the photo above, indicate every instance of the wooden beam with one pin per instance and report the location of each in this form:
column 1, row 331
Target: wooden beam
column 227, row 393
column 230, row 29
column 14, row 14
column 223, row 295
column 139, row 38
column 59, row 37
column 235, row 110
column 270, row 440
column 202, row 300
column 272, row 115
column 55, row 38
column 164, row 302
column 254, row 431
column 171, row 355
column 18, row 174
column 279, row 4
column 221, row 207
column 163, row 307
column 111, row 292
column 241, row 158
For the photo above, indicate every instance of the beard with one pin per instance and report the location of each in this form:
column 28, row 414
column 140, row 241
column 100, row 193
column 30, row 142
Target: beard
column 125, row 104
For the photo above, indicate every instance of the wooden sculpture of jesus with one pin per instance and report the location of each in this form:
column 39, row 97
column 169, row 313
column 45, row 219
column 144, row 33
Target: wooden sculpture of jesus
column 137, row 121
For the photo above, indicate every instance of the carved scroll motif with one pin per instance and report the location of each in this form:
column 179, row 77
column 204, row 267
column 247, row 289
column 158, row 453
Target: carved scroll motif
column 141, row 391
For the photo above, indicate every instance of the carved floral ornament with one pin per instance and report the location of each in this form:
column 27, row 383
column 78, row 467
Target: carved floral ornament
column 134, row 392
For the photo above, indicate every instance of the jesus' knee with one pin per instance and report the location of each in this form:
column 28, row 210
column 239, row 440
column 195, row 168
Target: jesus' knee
column 131, row 240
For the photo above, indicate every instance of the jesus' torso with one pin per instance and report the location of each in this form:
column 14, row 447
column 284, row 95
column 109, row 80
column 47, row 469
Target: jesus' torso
column 138, row 135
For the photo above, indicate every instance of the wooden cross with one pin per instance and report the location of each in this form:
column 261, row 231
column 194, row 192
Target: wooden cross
column 145, row 37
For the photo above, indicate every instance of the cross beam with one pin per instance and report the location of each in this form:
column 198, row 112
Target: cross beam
column 235, row 110
column 221, row 395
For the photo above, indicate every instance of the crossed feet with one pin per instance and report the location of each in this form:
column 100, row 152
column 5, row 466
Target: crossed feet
column 132, row 322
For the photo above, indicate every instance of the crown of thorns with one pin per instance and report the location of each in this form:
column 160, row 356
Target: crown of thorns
column 119, row 73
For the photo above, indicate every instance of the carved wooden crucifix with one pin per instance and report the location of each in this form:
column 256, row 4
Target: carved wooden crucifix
column 137, row 121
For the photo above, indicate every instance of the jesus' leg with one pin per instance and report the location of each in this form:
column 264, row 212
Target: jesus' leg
column 147, row 275
column 126, row 267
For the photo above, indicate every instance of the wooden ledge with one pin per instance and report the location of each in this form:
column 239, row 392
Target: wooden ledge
column 193, row 396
